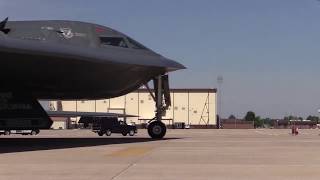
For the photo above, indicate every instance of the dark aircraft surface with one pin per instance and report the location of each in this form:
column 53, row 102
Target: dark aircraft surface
column 74, row 60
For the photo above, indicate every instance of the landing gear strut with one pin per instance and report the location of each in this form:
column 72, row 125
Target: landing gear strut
column 156, row 128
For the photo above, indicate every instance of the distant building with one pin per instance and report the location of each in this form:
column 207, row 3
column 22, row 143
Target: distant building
column 302, row 124
column 236, row 124
column 195, row 108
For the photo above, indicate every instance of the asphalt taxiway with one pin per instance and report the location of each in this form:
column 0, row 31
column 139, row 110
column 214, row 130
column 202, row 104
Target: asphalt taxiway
column 184, row 154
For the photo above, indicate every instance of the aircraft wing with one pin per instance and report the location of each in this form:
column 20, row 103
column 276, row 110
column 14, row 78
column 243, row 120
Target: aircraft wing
column 86, row 114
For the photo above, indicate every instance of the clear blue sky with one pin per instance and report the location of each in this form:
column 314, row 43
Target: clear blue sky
column 267, row 50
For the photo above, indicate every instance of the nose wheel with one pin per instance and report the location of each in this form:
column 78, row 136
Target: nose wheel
column 157, row 130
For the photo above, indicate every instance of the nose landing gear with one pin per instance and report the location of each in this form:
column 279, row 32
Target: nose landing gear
column 156, row 128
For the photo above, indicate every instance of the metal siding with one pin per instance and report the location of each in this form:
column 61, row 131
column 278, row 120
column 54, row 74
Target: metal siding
column 69, row 106
column 86, row 106
column 141, row 103
column 117, row 102
column 180, row 107
column 213, row 108
column 102, row 105
column 198, row 108
column 146, row 106
column 132, row 106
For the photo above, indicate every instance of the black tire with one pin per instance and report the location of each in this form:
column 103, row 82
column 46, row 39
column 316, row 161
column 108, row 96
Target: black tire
column 131, row 132
column 100, row 133
column 157, row 130
column 33, row 132
column 108, row 132
column 7, row 132
column 124, row 133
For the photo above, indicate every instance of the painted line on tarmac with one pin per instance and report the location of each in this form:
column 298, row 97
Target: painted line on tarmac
column 132, row 151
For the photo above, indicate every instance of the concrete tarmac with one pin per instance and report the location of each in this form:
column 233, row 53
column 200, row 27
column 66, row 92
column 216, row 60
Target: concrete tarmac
column 184, row 154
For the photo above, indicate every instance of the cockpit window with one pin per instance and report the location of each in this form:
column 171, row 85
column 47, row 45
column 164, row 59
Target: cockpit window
column 135, row 44
column 114, row 41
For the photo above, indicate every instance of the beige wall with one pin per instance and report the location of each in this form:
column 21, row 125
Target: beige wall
column 102, row 105
column 146, row 106
column 202, row 108
column 132, row 107
column 194, row 107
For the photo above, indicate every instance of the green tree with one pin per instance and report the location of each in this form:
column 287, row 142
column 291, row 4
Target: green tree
column 232, row 117
column 250, row 116
column 313, row 118
column 267, row 122
column 258, row 122
column 292, row 118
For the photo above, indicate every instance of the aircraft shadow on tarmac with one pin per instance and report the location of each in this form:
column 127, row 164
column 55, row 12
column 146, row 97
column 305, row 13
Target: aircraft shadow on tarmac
column 12, row 145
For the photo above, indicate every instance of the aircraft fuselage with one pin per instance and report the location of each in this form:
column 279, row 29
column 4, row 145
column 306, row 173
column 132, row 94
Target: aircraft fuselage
column 75, row 60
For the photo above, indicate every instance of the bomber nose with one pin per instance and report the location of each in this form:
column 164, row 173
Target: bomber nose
column 172, row 65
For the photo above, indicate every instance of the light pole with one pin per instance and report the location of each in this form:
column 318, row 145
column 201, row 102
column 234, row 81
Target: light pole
column 220, row 81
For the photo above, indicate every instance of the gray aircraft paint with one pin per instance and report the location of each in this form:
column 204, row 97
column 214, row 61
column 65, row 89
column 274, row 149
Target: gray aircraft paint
column 65, row 60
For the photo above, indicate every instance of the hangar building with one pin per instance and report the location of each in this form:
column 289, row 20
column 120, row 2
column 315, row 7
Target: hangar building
column 196, row 108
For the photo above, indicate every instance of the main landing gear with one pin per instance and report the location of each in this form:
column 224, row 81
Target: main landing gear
column 156, row 128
